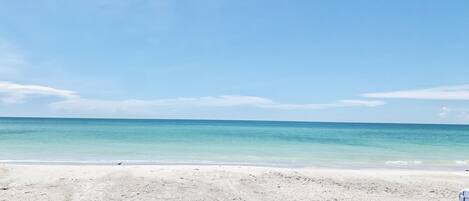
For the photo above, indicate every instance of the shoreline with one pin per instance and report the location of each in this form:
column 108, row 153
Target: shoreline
column 453, row 168
column 216, row 182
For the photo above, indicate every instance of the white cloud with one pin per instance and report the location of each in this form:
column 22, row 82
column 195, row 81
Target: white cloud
column 72, row 103
column 214, row 101
column 16, row 93
column 454, row 113
column 444, row 112
column 459, row 92
column 139, row 106
column 134, row 106
column 338, row 104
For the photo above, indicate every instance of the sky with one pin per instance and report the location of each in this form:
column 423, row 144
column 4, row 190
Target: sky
column 344, row 61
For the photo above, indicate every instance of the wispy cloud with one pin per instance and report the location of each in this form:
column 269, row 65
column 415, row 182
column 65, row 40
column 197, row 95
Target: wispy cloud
column 16, row 93
column 72, row 103
column 459, row 92
column 455, row 113
column 198, row 102
column 337, row 104
column 135, row 106
column 10, row 59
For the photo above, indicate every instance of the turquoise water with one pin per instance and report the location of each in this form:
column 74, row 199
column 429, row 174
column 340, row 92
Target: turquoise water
column 49, row 140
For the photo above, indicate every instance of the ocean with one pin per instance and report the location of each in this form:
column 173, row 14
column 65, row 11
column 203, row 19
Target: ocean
column 262, row 143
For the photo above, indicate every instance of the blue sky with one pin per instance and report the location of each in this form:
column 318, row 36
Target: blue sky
column 367, row 61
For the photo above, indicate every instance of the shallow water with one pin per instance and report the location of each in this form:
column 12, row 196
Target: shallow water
column 36, row 140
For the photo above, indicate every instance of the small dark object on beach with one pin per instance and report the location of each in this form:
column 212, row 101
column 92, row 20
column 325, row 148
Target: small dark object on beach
column 119, row 163
column 4, row 188
column 467, row 170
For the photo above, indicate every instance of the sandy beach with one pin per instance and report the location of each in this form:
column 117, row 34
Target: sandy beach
column 73, row 182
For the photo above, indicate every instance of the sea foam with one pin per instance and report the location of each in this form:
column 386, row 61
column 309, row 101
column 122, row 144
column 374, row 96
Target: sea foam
column 403, row 163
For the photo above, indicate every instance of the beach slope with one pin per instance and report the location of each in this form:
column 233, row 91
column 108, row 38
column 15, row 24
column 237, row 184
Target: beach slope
column 73, row 182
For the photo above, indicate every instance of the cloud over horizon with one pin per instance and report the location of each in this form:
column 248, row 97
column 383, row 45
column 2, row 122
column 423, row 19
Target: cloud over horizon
column 17, row 93
column 71, row 102
column 135, row 105
column 454, row 113
column 457, row 92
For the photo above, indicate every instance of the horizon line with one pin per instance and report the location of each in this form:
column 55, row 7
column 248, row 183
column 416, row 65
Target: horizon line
column 248, row 120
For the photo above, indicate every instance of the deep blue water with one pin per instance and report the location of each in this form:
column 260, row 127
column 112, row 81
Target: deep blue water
column 233, row 142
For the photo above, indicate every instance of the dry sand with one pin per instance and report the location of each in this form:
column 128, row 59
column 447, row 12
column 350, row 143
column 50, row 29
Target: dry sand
column 67, row 182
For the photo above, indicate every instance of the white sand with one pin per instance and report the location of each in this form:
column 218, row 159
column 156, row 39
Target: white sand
column 60, row 182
